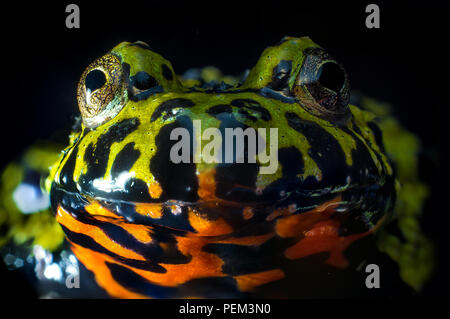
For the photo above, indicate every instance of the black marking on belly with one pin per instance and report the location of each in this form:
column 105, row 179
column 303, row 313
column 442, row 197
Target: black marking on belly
column 138, row 284
column 254, row 106
column 241, row 260
column 151, row 251
column 219, row 109
column 89, row 243
column 178, row 181
column 124, row 160
column 207, row 287
column 167, row 72
column 166, row 107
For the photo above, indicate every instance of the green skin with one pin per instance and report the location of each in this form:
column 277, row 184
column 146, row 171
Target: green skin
column 414, row 255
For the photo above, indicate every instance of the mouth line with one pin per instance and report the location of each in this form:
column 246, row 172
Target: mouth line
column 174, row 215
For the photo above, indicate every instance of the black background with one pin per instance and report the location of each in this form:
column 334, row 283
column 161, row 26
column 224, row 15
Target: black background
column 403, row 62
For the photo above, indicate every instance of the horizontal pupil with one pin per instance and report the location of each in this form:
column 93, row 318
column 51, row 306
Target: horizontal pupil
column 95, row 80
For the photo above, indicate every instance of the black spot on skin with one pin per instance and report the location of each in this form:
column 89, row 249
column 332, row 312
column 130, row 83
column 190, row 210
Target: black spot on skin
column 325, row 151
column 95, row 79
column 142, row 85
column 254, row 106
column 168, row 106
column 235, row 181
column 378, row 139
column 280, row 76
column 291, row 161
column 178, row 181
column 143, row 81
column 145, row 94
column 97, row 160
column 364, row 170
column 219, row 109
column 166, row 72
column 125, row 159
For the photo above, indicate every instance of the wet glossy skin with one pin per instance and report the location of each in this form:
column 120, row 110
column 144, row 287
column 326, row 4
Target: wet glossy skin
column 148, row 227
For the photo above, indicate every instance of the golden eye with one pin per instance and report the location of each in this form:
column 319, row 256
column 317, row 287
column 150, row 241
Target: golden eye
column 101, row 90
column 322, row 86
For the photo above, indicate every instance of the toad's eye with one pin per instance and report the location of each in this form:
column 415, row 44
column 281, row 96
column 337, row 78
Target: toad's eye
column 322, row 86
column 101, row 90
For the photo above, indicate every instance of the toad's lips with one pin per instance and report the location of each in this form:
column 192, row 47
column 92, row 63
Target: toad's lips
column 363, row 204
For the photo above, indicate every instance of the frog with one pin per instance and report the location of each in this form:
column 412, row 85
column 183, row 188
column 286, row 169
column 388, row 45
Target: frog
column 147, row 226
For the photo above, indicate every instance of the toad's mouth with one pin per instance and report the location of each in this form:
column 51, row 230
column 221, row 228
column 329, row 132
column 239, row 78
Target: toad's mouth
column 362, row 206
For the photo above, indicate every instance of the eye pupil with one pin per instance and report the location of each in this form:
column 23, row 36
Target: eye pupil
column 95, row 80
column 332, row 76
